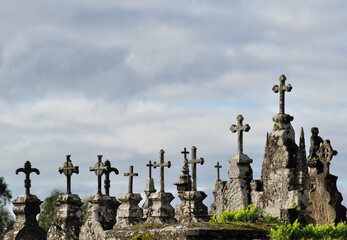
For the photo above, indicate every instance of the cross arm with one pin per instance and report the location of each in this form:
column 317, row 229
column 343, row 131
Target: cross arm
column 35, row 170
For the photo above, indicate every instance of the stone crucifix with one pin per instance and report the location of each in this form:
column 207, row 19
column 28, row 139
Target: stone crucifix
column 99, row 169
column 149, row 165
column 194, row 161
column 131, row 174
column 68, row 169
column 27, row 170
column 107, row 172
column 282, row 88
column 218, row 167
column 185, row 153
column 162, row 165
column 239, row 128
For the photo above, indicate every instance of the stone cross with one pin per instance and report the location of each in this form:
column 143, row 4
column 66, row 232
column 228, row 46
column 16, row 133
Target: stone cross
column 131, row 174
column 185, row 152
column 108, row 171
column 68, row 169
column 162, row 165
column 239, row 128
column 194, row 161
column 27, row 170
column 218, row 167
column 282, row 88
column 149, row 165
column 99, row 169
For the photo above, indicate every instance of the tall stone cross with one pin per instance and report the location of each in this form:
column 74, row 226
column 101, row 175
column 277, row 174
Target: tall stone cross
column 282, row 88
column 239, row 128
column 68, row 169
column 27, row 170
column 218, row 167
column 194, row 161
column 162, row 165
column 99, row 169
column 131, row 174
column 107, row 172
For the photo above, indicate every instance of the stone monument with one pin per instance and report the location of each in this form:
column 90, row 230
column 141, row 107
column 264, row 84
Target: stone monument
column 284, row 170
column 26, row 207
column 161, row 211
column 149, row 190
column 129, row 212
column 67, row 220
column 184, row 182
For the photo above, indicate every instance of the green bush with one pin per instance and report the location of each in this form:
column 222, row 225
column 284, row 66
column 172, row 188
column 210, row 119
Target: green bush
column 246, row 214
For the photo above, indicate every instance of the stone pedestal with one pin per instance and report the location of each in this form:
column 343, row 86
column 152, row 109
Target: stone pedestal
column 100, row 217
column 192, row 208
column 161, row 211
column 67, row 221
column 129, row 212
column 148, row 191
column 26, row 207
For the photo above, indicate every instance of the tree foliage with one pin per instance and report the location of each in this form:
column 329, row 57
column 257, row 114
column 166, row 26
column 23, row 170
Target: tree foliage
column 6, row 219
column 46, row 216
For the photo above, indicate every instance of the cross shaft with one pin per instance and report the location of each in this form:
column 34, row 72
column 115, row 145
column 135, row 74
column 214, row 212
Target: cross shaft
column 194, row 161
column 131, row 174
column 108, row 171
column 99, row 169
column 162, row 165
column 240, row 128
column 282, row 88
column 68, row 169
column 218, row 167
column 27, row 170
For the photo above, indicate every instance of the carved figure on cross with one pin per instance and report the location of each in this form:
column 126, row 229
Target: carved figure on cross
column 194, row 161
column 162, row 164
column 99, row 169
column 27, row 170
column 218, row 167
column 68, row 169
column 107, row 172
column 131, row 174
column 282, row 88
column 240, row 128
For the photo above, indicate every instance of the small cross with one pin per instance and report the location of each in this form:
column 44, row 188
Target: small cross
column 149, row 165
column 99, row 170
column 162, row 165
column 239, row 128
column 131, row 174
column 218, row 167
column 68, row 169
column 27, row 170
column 194, row 161
column 107, row 181
column 185, row 152
column 282, row 88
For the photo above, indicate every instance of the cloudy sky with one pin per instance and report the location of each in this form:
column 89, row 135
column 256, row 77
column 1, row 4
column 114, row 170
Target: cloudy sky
column 128, row 78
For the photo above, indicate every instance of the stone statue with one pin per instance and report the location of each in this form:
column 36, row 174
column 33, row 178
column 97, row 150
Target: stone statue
column 316, row 141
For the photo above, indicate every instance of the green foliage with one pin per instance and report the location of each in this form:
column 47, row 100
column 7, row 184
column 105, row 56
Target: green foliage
column 246, row 214
column 84, row 208
column 6, row 219
column 46, row 216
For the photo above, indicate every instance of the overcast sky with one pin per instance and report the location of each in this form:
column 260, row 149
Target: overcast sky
column 128, row 78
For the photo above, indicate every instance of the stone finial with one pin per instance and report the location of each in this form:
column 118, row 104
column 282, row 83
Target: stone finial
column 68, row 169
column 218, row 167
column 131, row 174
column 240, row 128
column 162, row 165
column 27, row 170
column 282, row 88
column 99, row 169
column 194, row 161
column 107, row 172
column 316, row 141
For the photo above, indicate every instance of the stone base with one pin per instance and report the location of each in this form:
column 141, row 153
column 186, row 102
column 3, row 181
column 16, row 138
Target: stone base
column 67, row 222
column 92, row 230
column 161, row 211
column 26, row 207
column 129, row 212
column 192, row 208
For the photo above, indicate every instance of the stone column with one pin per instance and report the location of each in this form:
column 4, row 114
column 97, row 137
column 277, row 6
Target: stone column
column 129, row 212
column 161, row 211
column 26, row 207
column 67, row 221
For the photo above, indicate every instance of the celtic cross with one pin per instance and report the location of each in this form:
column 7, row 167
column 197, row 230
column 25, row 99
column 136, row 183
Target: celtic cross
column 131, row 174
column 99, row 169
column 68, row 169
column 239, row 128
column 162, row 165
column 194, row 161
column 27, row 170
column 107, row 172
column 282, row 88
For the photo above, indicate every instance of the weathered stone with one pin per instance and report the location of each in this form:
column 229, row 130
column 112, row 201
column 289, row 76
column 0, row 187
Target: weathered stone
column 161, row 165
column 99, row 169
column 325, row 200
column 26, row 207
column 129, row 212
column 194, row 161
column 148, row 190
column 67, row 221
column 184, row 182
column 192, row 208
column 108, row 171
column 218, row 167
column 68, row 169
column 161, row 211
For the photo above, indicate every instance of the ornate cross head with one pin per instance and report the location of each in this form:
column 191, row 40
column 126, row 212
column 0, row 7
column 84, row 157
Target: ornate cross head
column 240, row 128
column 27, row 170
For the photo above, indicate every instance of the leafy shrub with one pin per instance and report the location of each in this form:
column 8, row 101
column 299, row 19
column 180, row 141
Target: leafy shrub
column 246, row 214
